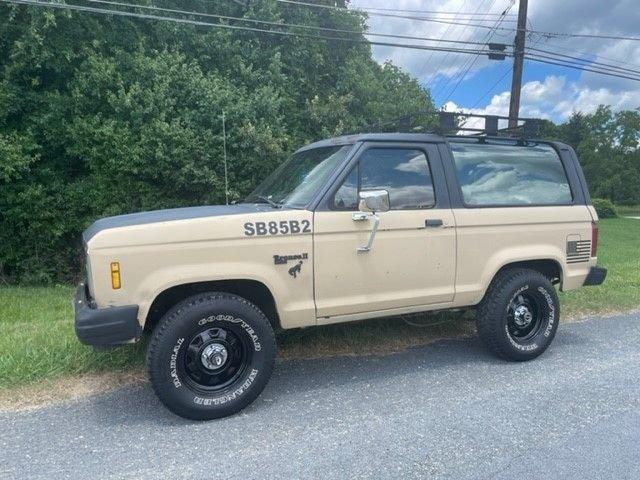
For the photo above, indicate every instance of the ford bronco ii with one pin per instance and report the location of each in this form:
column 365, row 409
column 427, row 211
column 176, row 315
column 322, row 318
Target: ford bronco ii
column 350, row 228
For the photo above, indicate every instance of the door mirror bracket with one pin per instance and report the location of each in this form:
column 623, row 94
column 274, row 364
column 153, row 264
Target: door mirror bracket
column 372, row 201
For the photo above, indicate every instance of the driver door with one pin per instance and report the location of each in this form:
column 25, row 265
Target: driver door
column 412, row 259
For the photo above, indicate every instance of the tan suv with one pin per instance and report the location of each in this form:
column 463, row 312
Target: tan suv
column 347, row 229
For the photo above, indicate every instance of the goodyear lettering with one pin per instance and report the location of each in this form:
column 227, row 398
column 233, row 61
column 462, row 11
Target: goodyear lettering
column 230, row 396
column 173, row 362
column 230, row 318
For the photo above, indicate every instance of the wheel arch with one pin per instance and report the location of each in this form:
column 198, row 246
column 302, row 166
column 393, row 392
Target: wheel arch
column 549, row 267
column 253, row 290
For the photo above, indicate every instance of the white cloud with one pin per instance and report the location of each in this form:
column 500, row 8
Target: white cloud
column 555, row 97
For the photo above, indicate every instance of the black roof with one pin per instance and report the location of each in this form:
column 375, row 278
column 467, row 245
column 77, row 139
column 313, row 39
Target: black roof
column 376, row 137
column 419, row 137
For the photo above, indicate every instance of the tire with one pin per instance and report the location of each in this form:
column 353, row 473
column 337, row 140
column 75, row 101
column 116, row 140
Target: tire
column 211, row 355
column 518, row 317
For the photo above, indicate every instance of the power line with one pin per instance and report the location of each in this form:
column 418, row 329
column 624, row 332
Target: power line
column 591, row 62
column 425, row 19
column 533, row 57
column 236, row 27
column 405, row 10
column 582, row 52
column 466, row 17
column 438, row 80
column 542, row 59
column 585, row 66
column 390, row 15
column 441, row 81
column 504, row 75
column 275, row 24
column 434, row 74
column 475, row 59
column 585, row 35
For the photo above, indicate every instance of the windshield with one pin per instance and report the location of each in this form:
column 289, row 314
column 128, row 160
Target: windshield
column 296, row 181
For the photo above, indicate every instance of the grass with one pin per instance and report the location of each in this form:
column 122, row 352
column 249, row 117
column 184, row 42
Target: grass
column 37, row 341
column 619, row 251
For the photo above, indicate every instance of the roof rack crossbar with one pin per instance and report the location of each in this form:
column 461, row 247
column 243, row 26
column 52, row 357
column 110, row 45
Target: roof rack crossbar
column 456, row 123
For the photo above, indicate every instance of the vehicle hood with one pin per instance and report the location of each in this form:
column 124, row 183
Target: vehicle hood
column 173, row 214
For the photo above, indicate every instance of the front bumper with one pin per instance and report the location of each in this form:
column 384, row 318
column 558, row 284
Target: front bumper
column 596, row 276
column 103, row 327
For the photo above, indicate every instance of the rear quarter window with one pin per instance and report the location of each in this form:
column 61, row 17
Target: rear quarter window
column 494, row 175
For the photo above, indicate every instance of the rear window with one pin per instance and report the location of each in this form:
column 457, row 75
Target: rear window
column 510, row 175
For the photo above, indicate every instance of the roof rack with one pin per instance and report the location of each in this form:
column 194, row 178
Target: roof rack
column 455, row 122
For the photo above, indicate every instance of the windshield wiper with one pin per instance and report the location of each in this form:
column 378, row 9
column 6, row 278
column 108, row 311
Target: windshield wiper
column 269, row 201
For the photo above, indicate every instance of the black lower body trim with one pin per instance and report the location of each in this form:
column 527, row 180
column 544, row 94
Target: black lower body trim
column 596, row 276
column 102, row 327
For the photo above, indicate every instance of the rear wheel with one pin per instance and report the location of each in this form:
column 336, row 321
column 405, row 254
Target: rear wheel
column 211, row 355
column 518, row 317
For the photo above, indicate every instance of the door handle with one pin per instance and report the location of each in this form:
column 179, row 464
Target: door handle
column 360, row 216
column 435, row 222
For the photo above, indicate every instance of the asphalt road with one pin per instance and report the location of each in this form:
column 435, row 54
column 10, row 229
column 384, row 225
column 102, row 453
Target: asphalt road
column 447, row 410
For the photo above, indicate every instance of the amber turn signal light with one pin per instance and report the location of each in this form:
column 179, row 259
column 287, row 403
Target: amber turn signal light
column 115, row 275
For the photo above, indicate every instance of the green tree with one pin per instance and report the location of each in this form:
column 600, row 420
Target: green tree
column 101, row 115
column 607, row 144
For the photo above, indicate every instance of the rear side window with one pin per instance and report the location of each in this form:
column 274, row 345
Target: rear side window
column 510, row 175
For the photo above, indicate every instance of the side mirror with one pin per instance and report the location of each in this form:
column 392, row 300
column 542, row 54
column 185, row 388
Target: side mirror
column 374, row 201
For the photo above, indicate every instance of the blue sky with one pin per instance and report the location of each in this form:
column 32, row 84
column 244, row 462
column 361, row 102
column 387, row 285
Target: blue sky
column 474, row 88
column 549, row 91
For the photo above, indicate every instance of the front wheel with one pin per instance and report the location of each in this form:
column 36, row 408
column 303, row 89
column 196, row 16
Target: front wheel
column 518, row 317
column 211, row 356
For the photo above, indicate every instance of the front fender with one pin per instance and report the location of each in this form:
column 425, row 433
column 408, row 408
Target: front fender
column 293, row 310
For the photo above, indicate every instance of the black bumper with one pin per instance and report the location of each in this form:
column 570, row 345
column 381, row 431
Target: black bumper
column 103, row 327
column 596, row 276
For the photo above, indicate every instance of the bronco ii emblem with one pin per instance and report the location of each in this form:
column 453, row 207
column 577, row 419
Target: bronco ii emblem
column 284, row 259
column 295, row 270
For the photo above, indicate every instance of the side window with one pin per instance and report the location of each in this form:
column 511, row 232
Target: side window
column 346, row 197
column 510, row 175
column 403, row 172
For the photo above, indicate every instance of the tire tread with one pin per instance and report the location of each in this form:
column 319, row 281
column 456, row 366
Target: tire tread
column 491, row 306
column 158, row 335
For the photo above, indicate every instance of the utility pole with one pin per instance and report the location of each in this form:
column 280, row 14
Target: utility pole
column 518, row 60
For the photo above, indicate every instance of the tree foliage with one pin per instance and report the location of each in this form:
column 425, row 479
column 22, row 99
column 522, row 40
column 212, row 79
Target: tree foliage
column 102, row 115
column 608, row 146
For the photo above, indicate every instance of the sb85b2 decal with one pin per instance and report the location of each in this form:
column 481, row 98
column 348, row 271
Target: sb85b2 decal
column 282, row 227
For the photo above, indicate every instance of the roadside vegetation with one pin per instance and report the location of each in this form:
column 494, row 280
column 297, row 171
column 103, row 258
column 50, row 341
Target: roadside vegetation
column 105, row 115
column 38, row 342
column 628, row 210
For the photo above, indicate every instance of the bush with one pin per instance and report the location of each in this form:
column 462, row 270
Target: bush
column 104, row 115
column 605, row 208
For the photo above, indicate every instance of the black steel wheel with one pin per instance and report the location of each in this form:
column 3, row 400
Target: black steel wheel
column 524, row 316
column 211, row 355
column 519, row 314
column 215, row 358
